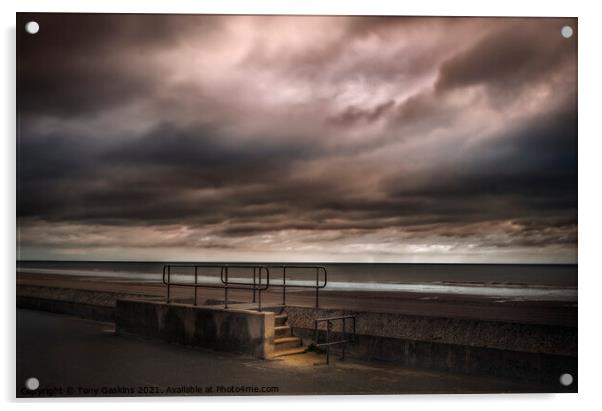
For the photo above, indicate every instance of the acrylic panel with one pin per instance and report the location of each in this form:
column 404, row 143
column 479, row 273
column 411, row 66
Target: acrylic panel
column 272, row 205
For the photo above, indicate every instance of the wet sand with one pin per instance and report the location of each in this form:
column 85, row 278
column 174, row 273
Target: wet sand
column 422, row 304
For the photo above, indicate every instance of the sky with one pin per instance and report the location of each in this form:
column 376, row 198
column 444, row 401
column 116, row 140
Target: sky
column 297, row 138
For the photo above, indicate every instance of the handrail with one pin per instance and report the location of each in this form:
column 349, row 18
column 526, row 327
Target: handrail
column 257, row 286
column 247, row 285
column 317, row 287
column 328, row 343
column 166, row 279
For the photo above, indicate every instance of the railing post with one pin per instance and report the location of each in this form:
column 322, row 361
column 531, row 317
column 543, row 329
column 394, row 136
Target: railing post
column 168, row 282
column 344, row 339
column 254, row 283
column 163, row 279
column 259, row 289
column 260, row 300
column 226, row 290
column 317, row 285
column 331, row 327
column 283, row 285
column 195, row 284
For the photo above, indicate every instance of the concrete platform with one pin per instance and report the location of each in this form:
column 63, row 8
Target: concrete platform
column 233, row 329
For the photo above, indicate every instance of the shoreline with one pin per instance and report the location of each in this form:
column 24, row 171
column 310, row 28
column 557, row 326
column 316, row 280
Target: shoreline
column 423, row 304
column 491, row 289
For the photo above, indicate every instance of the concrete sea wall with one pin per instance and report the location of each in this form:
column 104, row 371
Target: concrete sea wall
column 528, row 352
column 533, row 338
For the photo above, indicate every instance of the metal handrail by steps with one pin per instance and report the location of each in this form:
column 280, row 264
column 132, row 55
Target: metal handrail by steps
column 345, row 337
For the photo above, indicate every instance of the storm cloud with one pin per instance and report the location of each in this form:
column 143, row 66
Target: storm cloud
column 297, row 138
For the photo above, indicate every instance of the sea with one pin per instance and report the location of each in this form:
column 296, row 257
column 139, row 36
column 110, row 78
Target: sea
column 538, row 282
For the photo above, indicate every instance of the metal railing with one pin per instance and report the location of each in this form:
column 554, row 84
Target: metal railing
column 345, row 338
column 226, row 284
column 257, row 286
column 317, row 286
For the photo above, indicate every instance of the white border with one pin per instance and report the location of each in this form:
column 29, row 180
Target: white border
column 590, row 227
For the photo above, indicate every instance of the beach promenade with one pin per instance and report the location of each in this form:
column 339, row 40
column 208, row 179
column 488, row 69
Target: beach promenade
column 526, row 344
column 76, row 357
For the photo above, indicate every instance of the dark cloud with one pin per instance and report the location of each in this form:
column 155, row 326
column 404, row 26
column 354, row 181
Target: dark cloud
column 518, row 53
column 353, row 115
column 209, row 152
column 530, row 170
column 228, row 133
column 153, row 178
column 88, row 62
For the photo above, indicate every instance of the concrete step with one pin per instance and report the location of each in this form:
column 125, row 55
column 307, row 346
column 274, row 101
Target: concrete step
column 282, row 330
column 283, row 343
column 280, row 319
column 290, row 351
